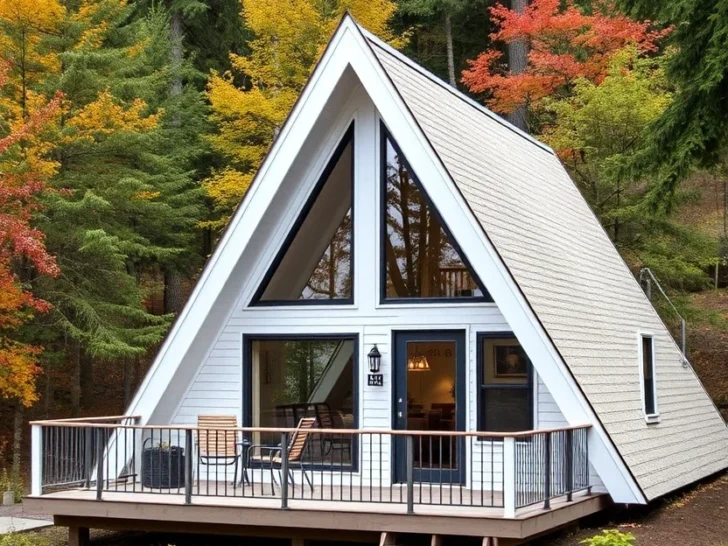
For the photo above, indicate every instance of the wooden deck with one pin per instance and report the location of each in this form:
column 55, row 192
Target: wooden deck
column 307, row 518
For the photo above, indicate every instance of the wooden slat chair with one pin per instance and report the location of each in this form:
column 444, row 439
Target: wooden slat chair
column 332, row 442
column 217, row 441
column 272, row 455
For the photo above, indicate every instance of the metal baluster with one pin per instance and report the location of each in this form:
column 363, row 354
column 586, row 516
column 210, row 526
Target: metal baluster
column 450, row 461
column 188, row 466
column 88, row 448
column 419, row 456
column 371, row 491
column 439, row 438
column 381, row 497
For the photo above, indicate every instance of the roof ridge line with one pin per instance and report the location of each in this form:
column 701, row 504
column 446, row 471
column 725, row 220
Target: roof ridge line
column 459, row 94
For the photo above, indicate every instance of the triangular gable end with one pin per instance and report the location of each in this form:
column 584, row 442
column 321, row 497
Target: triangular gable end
column 422, row 259
column 207, row 308
column 316, row 262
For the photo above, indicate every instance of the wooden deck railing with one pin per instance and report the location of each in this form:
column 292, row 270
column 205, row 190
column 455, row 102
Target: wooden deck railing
column 474, row 469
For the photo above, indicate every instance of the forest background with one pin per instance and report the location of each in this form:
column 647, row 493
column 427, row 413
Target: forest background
column 130, row 130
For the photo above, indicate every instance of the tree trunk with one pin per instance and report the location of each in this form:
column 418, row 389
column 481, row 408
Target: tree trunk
column 76, row 380
column 450, row 55
column 87, row 380
column 517, row 60
column 17, row 441
column 174, row 297
column 48, row 394
column 176, row 35
column 128, row 371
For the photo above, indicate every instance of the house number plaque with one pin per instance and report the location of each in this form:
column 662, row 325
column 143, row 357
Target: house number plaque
column 375, row 380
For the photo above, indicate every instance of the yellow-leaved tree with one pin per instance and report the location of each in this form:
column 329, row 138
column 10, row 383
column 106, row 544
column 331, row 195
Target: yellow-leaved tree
column 289, row 37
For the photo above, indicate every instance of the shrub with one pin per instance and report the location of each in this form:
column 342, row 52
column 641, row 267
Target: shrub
column 22, row 539
column 609, row 537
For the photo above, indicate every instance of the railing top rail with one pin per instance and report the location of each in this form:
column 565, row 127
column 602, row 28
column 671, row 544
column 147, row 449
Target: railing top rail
column 87, row 420
column 444, row 433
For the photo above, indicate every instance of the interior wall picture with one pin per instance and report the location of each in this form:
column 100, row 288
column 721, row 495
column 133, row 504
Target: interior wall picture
column 510, row 361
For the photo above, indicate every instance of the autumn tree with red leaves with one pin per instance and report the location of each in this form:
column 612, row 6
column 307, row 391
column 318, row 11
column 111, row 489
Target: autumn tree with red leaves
column 564, row 44
column 24, row 172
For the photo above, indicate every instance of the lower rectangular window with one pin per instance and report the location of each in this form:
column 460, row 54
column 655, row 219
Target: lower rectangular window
column 292, row 379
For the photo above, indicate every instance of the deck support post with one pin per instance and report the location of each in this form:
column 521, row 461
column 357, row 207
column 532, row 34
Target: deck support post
column 188, row 466
column 36, row 437
column 78, row 536
column 410, row 476
column 284, row 470
column 387, row 539
column 509, row 477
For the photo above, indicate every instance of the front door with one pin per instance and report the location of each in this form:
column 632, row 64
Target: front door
column 429, row 396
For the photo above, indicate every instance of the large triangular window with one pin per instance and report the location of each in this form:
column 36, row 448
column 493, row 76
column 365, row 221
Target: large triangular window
column 422, row 260
column 316, row 263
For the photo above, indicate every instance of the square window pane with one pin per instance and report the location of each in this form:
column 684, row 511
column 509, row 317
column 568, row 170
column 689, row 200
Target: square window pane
column 505, row 410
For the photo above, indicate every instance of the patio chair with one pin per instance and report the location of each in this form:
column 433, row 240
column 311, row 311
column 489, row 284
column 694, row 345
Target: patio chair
column 217, row 442
column 332, row 442
column 272, row 455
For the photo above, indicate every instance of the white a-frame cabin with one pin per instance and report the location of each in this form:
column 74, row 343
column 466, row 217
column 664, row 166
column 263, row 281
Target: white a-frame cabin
column 413, row 324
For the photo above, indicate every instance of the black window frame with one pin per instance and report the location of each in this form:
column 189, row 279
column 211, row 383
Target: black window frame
column 384, row 136
column 647, row 340
column 482, row 388
column 257, row 301
column 247, row 383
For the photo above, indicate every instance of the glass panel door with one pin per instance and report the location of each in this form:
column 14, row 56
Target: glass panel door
column 430, row 397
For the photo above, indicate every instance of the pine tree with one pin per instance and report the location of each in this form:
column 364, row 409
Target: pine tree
column 126, row 198
column 692, row 131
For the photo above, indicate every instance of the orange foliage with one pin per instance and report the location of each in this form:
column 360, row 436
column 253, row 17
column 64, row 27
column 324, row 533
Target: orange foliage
column 564, row 44
column 23, row 177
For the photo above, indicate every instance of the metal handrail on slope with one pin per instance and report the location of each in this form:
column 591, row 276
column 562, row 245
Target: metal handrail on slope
column 646, row 280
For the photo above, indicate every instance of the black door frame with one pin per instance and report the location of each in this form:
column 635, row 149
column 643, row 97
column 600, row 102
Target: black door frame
column 400, row 338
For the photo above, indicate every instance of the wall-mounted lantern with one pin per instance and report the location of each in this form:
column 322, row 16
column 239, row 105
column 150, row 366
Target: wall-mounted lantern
column 375, row 360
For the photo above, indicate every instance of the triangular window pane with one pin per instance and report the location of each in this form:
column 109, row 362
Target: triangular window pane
column 316, row 261
column 422, row 260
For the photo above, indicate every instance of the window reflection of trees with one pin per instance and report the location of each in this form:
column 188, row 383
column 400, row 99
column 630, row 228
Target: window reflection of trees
column 332, row 277
column 420, row 259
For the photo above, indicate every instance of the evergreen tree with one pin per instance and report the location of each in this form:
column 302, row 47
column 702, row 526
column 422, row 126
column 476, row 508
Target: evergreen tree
column 693, row 129
column 126, row 199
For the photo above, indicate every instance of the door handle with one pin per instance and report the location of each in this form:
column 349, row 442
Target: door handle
column 399, row 414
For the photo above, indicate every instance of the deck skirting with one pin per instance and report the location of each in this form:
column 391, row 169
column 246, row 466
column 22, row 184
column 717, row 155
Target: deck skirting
column 258, row 517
